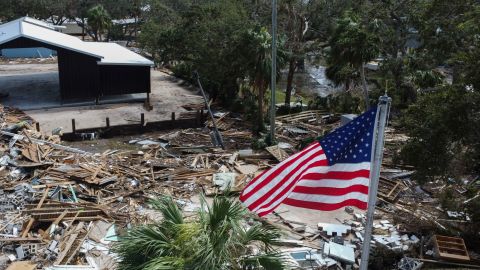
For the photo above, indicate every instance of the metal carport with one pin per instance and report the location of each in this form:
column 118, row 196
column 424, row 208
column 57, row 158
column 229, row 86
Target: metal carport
column 86, row 69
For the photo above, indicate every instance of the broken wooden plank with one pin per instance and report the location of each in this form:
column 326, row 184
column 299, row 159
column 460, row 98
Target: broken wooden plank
column 44, row 196
column 28, row 227
column 277, row 152
column 24, row 265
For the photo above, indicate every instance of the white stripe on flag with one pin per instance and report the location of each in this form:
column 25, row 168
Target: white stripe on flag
column 251, row 187
column 267, row 189
column 345, row 167
column 332, row 183
column 318, row 169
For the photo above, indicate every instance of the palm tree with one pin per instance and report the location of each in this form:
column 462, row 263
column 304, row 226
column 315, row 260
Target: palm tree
column 351, row 47
column 98, row 20
column 256, row 49
column 217, row 238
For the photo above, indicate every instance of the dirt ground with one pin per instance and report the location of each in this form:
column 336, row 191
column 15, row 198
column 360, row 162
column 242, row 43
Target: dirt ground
column 33, row 84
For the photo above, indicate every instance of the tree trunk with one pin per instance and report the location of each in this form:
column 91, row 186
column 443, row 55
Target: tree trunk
column 291, row 71
column 261, row 93
column 83, row 29
column 365, row 87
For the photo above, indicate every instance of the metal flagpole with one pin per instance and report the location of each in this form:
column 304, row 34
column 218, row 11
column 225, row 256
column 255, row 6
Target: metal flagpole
column 383, row 110
column 273, row 86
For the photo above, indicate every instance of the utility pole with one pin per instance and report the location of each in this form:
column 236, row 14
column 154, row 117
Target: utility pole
column 273, row 83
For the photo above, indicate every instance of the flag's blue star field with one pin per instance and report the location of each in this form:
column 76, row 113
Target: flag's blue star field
column 351, row 143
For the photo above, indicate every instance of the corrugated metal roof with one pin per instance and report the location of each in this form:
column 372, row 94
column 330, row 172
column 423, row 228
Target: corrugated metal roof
column 108, row 53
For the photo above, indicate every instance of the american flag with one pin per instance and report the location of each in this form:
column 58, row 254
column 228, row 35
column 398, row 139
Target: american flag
column 328, row 174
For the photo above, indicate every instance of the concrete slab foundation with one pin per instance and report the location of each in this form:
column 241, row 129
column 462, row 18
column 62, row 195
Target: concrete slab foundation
column 34, row 88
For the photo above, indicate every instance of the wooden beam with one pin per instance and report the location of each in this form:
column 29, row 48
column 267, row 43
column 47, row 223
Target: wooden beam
column 44, row 196
column 28, row 227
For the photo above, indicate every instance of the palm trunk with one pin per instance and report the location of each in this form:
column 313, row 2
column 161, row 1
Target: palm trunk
column 365, row 87
column 291, row 72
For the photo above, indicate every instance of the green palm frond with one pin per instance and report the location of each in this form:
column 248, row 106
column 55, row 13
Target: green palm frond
column 270, row 261
column 165, row 263
column 223, row 210
column 217, row 239
column 266, row 234
column 140, row 245
column 169, row 209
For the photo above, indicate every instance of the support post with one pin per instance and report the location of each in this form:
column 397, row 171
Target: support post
column 37, row 126
column 73, row 126
column 142, row 119
column 107, row 120
column 173, row 116
column 273, row 83
column 383, row 110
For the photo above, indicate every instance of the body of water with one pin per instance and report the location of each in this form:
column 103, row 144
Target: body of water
column 310, row 81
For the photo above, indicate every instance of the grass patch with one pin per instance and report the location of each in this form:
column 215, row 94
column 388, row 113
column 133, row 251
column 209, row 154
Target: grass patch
column 280, row 97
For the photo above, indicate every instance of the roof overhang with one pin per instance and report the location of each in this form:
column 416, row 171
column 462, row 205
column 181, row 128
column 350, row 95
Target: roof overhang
column 107, row 53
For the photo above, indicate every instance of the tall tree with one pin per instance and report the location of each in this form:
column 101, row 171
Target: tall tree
column 200, row 36
column 444, row 123
column 352, row 45
column 294, row 13
column 98, row 21
column 256, row 52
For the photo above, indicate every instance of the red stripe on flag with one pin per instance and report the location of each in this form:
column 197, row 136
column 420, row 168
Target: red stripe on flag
column 242, row 195
column 276, row 171
column 326, row 206
column 286, row 189
column 331, row 191
column 338, row 175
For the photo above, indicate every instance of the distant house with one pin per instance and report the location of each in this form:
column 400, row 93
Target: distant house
column 71, row 27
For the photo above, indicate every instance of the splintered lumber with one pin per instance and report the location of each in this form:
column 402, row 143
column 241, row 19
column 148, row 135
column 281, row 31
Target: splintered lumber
column 221, row 125
column 55, row 223
column 22, row 266
column 31, row 152
column 306, row 116
column 44, row 196
column 54, row 145
column 28, row 227
column 469, row 266
column 450, row 248
column 318, row 129
column 390, row 189
column 84, row 214
column 126, row 194
column 67, row 251
column 19, row 239
column 190, row 175
column 82, row 173
column 277, row 152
